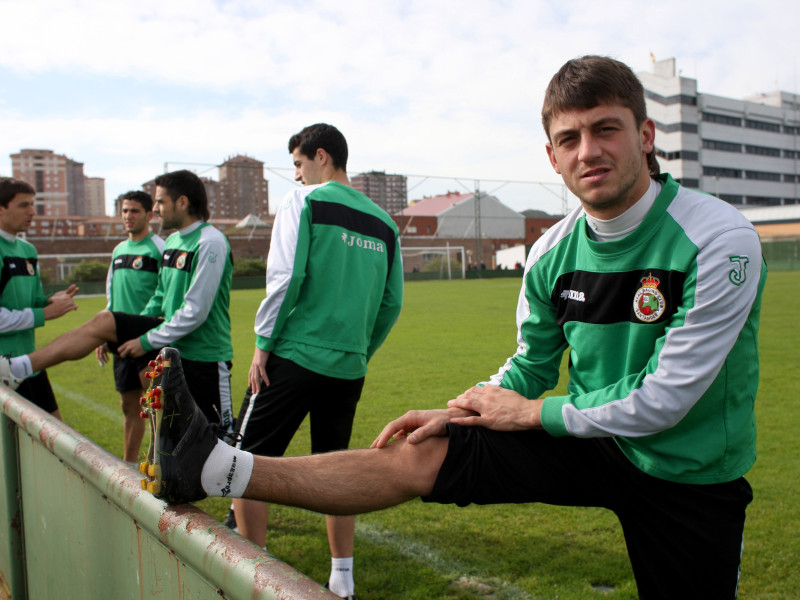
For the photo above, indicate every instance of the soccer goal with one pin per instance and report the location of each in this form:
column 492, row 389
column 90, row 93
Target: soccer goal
column 448, row 261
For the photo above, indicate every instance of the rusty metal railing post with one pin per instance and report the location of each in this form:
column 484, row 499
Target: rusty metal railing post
column 12, row 543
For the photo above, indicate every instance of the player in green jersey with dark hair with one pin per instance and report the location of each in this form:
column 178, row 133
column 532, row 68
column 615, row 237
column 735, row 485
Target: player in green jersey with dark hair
column 131, row 282
column 23, row 304
column 655, row 289
column 334, row 290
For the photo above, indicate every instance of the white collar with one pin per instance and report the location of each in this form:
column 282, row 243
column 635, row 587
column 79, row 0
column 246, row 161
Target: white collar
column 621, row 225
column 9, row 236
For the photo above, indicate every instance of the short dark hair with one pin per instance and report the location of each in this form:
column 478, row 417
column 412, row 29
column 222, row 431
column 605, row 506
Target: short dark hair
column 142, row 198
column 185, row 183
column 10, row 187
column 589, row 81
column 321, row 135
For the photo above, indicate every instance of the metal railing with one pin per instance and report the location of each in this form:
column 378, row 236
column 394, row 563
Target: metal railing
column 78, row 525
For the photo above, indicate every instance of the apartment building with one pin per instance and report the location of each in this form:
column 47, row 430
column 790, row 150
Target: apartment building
column 242, row 189
column 53, row 177
column 95, row 196
column 388, row 191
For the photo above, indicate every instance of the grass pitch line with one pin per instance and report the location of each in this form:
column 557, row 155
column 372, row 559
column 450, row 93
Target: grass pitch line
column 461, row 575
column 115, row 414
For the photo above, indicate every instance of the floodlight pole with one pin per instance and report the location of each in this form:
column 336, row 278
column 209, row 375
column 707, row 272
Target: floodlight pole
column 478, row 248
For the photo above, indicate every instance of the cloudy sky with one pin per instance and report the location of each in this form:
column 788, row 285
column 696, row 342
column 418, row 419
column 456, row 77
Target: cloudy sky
column 446, row 89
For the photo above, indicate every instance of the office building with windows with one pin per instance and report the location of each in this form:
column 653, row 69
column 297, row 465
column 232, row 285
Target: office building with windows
column 746, row 152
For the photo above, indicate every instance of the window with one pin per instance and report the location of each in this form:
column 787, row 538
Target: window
column 689, row 182
column 722, row 172
column 762, row 150
column 762, row 125
column 732, row 198
column 722, row 119
column 673, row 127
column 762, row 176
column 791, row 130
column 724, row 146
column 790, row 178
column 668, row 100
column 679, row 155
column 763, row 201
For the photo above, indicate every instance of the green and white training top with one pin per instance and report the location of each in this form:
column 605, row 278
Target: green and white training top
column 334, row 280
column 193, row 295
column 133, row 273
column 662, row 330
column 22, row 299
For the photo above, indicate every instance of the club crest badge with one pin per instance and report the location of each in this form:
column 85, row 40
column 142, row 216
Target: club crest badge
column 181, row 262
column 30, row 267
column 649, row 303
column 138, row 263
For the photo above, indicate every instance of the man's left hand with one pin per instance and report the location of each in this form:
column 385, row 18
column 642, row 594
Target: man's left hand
column 498, row 409
column 131, row 349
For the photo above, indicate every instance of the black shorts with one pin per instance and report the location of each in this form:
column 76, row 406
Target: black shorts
column 126, row 371
column 130, row 326
column 684, row 540
column 209, row 383
column 268, row 421
column 38, row 390
column 210, row 386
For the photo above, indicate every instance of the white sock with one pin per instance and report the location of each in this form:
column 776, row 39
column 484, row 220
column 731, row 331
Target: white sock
column 21, row 366
column 227, row 471
column 341, row 579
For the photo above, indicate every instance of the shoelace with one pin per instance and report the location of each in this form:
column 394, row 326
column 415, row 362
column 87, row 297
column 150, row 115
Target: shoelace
column 227, row 436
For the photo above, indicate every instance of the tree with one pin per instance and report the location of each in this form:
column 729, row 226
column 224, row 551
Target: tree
column 249, row 267
column 89, row 270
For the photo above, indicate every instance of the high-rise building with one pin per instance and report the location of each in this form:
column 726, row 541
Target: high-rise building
column 212, row 193
column 746, row 152
column 95, row 193
column 76, row 190
column 242, row 189
column 52, row 175
column 390, row 192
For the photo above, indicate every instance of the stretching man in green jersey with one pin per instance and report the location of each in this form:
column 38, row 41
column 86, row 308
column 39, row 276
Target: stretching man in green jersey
column 334, row 290
column 188, row 310
column 23, row 305
column 656, row 291
column 131, row 282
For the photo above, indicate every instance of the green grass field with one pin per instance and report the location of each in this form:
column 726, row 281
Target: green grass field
column 452, row 334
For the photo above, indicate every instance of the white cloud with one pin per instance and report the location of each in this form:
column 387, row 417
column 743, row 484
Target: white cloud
column 447, row 88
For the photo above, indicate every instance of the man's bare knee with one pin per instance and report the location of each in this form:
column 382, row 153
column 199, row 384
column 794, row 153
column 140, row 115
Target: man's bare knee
column 103, row 326
column 421, row 462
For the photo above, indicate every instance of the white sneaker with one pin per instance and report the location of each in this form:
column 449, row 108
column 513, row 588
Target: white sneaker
column 7, row 378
